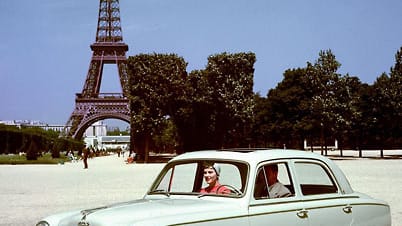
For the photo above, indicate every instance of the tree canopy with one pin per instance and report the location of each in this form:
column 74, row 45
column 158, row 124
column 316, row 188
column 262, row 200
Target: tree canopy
column 320, row 105
column 216, row 107
column 34, row 141
column 209, row 108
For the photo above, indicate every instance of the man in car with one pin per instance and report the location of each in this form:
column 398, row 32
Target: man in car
column 268, row 185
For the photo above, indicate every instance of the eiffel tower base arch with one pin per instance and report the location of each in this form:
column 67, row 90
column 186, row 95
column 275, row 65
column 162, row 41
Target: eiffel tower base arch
column 90, row 110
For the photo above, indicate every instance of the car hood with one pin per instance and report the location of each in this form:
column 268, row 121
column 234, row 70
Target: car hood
column 153, row 212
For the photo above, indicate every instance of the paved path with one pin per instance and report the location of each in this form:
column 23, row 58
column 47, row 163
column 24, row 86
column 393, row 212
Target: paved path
column 30, row 192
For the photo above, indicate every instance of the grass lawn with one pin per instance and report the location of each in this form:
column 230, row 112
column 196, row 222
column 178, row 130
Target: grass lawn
column 17, row 160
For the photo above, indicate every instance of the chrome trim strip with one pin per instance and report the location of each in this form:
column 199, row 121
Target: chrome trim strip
column 204, row 221
column 301, row 200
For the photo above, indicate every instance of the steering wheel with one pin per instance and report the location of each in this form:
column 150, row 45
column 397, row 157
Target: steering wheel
column 231, row 188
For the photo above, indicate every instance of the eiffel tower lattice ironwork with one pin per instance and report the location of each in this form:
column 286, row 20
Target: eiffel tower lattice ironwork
column 109, row 48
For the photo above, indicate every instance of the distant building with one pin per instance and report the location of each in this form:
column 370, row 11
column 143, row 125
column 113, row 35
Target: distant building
column 108, row 142
column 33, row 123
column 96, row 129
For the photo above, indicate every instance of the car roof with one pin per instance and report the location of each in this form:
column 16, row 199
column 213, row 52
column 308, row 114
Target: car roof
column 253, row 156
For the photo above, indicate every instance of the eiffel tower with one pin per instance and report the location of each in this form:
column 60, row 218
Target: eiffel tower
column 109, row 48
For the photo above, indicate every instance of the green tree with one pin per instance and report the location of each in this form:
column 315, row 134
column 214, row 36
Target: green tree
column 395, row 93
column 313, row 103
column 157, row 86
column 380, row 114
column 33, row 150
column 194, row 125
column 221, row 103
column 116, row 132
column 325, row 109
column 11, row 139
column 33, row 141
column 166, row 139
column 380, row 105
column 260, row 129
column 287, row 115
column 230, row 87
column 348, row 112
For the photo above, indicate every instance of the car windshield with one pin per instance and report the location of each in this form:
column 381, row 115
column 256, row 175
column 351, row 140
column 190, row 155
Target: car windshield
column 201, row 178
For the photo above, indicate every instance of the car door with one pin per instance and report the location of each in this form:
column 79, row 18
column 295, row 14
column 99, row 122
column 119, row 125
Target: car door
column 323, row 200
column 284, row 211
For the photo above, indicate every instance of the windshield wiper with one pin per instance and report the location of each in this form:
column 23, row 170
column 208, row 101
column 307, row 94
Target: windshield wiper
column 202, row 195
column 160, row 191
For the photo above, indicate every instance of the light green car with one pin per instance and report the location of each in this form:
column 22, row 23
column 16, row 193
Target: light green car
column 307, row 189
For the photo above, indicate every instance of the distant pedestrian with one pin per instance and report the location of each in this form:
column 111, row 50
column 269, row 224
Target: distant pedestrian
column 71, row 156
column 85, row 154
column 131, row 158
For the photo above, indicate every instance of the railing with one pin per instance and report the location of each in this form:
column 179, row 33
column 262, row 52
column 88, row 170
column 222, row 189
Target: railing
column 369, row 151
column 104, row 96
column 110, row 95
column 312, row 148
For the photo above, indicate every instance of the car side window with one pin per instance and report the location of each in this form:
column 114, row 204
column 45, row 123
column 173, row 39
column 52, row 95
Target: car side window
column 273, row 181
column 314, row 179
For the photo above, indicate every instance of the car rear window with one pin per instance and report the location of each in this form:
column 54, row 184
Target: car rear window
column 314, row 179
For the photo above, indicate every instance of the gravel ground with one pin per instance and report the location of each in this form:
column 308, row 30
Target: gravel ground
column 30, row 192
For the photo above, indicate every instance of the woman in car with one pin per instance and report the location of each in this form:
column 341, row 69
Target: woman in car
column 211, row 176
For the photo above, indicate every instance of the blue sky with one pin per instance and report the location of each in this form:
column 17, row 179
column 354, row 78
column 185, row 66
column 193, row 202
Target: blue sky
column 45, row 54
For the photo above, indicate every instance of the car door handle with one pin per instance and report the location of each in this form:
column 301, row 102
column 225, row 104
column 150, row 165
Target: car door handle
column 347, row 209
column 302, row 213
